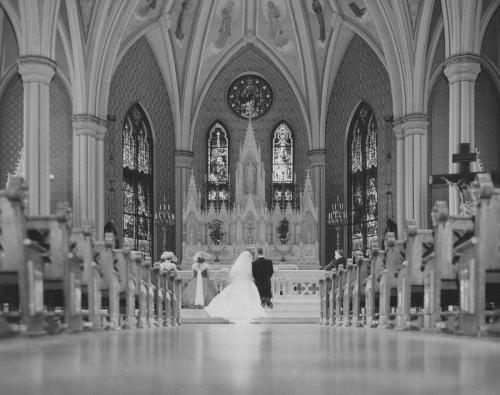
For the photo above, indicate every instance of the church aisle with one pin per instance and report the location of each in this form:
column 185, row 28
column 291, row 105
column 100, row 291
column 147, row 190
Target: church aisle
column 250, row 359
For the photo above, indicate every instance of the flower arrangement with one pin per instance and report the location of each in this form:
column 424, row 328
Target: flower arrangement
column 215, row 231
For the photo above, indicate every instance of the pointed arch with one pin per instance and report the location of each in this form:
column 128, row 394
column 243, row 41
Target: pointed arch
column 218, row 177
column 138, row 180
column 362, row 177
column 283, row 165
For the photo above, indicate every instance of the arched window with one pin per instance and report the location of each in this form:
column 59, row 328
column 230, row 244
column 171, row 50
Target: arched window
column 137, row 143
column 362, row 179
column 218, row 166
column 283, row 176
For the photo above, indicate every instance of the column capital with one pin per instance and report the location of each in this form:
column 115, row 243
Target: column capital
column 398, row 131
column 464, row 67
column 89, row 125
column 317, row 157
column 410, row 125
column 36, row 69
column 183, row 158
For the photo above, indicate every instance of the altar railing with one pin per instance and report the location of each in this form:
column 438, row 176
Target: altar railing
column 284, row 283
column 296, row 282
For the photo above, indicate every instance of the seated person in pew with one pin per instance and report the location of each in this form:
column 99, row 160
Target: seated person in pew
column 339, row 259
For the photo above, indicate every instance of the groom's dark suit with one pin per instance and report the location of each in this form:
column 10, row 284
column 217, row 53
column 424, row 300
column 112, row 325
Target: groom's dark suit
column 262, row 270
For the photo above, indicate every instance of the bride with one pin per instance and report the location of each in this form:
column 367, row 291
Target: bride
column 239, row 302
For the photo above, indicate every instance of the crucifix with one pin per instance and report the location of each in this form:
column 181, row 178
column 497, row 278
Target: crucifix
column 461, row 180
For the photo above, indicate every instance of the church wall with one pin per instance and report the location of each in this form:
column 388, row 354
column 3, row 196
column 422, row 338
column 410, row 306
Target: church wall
column 490, row 48
column 11, row 127
column 215, row 107
column 438, row 139
column 361, row 77
column 487, row 103
column 138, row 79
column 487, row 130
column 11, row 135
column 435, row 19
column 9, row 51
column 487, row 121
column 60, row 144
column 439, row 55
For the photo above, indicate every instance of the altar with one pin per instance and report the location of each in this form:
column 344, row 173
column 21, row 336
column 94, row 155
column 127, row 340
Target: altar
column 287, row 235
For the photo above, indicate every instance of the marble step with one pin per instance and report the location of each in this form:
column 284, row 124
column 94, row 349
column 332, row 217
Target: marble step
column 286, row 310
column 203, row 318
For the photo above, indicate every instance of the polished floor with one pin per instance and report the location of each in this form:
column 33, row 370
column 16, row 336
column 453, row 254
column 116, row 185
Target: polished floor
column 250, row 359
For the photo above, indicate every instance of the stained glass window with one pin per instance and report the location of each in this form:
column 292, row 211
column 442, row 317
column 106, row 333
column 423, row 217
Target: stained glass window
column 137, row 143
column 283, row 182
column 218, row 166
column 250, row 88
column 362, row 156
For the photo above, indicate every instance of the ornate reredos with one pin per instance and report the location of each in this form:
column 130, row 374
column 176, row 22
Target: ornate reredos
column 250, row 173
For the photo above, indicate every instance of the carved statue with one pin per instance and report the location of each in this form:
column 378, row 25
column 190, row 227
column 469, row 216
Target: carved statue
column 184, row 8
column 275, row 29
column 318, row 10
column 225, row 26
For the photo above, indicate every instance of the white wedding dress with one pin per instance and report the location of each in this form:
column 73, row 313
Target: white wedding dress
column 239, row 302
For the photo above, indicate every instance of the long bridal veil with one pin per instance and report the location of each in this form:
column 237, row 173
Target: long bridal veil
column 239, row 302
column 242, row 268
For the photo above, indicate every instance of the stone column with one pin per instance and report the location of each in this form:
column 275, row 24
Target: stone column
column 36, row 73
column 400, row 175
column 317, row 160
column 462, row 72
column 411, row 135
column 183, row 165
column 88, row 171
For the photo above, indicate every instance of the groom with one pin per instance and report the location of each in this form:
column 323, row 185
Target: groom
column 262, row 270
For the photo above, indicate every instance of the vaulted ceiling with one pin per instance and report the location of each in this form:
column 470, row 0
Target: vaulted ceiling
column 194, row 39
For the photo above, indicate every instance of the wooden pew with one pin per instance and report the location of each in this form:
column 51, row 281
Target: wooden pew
column 143, row 293
column 95, row 285
column 439, row 272
column 82, row 244
column 174, row 298
column 325, row 294
column 386, row 266
column 159, row 280
column 360, row 272
column 63, row 277
column 347, row 293
column 122, row 262
column 338, row 279
column 478, row 262
column 110, row 284
column 73, row 314
column 323, row 300
column 370, row 284
column 23, row 262
column 332, row 308
column 410, row 276
column 151, row 290
column 134, row 277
